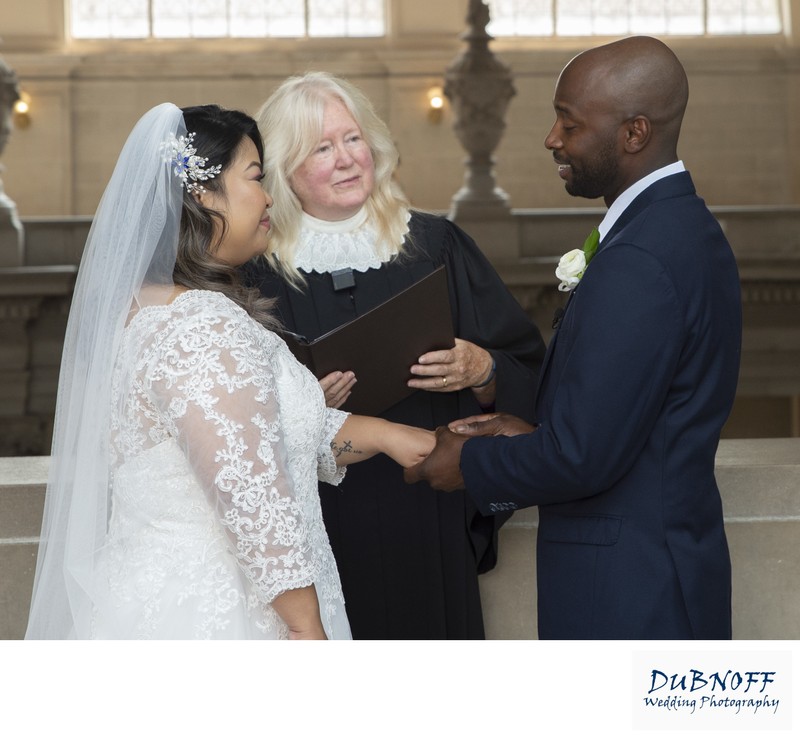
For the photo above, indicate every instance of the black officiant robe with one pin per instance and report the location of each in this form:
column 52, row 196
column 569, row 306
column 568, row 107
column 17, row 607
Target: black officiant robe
column 409, row 556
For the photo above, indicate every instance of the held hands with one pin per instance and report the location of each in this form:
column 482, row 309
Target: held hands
column 442, row 468
column 337, row 387
column 406, row 444
column 464, row 365
column 493, row 424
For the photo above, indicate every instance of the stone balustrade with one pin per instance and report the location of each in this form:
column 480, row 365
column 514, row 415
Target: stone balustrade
column 34, row 305
column 524, row 247
column 759, row 481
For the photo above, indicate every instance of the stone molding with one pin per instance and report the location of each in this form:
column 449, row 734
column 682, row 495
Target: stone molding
column 775, row 293
column 19, row 310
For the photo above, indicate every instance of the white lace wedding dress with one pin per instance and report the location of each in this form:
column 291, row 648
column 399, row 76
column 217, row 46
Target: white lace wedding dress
column 219, row 436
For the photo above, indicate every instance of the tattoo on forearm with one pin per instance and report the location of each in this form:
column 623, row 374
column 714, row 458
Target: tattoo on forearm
column 346, row 447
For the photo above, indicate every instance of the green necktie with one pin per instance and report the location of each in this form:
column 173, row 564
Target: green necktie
column 590, row 245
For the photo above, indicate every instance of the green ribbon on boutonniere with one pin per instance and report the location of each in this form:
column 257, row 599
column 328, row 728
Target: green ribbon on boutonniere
column 573, row 264
column 571, row 267
column 590, row 245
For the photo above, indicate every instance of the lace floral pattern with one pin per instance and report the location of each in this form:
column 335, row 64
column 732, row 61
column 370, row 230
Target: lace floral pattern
column 325, row 246
column 219, row 435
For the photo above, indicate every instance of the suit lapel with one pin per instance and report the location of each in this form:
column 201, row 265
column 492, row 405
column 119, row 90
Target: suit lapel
column 675, row 185
column 551, row 345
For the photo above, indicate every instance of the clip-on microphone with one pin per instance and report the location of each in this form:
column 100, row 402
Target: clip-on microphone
column 343, row 279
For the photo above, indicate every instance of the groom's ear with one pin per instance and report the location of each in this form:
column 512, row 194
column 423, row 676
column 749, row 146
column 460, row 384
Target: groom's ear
column 637, row 133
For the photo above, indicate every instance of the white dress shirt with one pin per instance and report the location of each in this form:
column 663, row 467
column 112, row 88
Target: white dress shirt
column 619, row 205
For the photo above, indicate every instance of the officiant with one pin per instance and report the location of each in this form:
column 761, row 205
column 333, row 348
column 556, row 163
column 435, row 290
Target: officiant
column 343, row 240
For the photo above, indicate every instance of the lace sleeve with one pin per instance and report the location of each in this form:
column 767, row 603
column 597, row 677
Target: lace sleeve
column 214, row 385
column 327, row 471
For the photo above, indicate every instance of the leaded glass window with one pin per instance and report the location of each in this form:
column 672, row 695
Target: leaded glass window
column 624, row 17
column 226, row 18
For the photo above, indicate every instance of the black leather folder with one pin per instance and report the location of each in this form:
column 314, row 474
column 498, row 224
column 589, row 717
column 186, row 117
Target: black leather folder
column 381, row 345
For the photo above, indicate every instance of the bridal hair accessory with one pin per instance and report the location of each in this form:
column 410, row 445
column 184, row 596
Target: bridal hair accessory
column 187, row 165
column 573, row 264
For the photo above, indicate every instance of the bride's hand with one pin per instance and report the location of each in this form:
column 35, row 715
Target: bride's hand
column 408, row 445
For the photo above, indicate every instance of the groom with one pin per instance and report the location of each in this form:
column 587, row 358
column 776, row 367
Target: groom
column 637, row 383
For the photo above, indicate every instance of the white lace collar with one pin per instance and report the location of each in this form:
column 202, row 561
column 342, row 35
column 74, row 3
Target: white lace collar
column 325, row 246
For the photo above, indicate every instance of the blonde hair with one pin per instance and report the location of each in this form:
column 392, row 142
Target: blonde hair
column 291, row 124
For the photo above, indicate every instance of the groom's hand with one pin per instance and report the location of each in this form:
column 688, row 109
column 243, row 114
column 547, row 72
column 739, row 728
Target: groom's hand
column 441, row 469
column 495, row 424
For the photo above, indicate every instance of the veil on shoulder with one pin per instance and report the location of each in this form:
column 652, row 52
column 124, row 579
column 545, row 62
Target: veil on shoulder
column 132, row 244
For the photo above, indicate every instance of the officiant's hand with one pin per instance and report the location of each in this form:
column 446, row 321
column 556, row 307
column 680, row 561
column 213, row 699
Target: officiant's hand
column 464, row 365
column 337, row 387
column 442, row 468
column 493, row 424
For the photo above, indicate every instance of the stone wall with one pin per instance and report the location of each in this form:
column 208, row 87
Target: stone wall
column 85, row 97
column 760, row 485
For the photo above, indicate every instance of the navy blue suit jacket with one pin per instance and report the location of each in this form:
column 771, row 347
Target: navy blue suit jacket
column 637, row 383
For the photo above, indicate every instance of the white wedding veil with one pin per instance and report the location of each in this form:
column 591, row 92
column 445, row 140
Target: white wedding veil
column 132, row 245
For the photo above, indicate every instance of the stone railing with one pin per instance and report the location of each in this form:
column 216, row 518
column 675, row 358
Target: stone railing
column 34, row 303
column 760, row 485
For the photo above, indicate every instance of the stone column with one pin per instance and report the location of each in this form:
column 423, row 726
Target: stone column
column 11, row 233
column 479, row 88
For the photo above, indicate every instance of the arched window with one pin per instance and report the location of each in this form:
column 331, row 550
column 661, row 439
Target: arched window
column 93, row 19
column 623, row 17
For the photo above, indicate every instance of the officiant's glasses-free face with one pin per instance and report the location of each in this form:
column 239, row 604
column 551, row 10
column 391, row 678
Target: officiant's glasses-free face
column 335, row 181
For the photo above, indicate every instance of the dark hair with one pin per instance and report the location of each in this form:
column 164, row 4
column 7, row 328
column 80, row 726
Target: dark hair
column 218, row 133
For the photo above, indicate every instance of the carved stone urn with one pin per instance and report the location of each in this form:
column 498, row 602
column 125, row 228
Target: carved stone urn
column 479, row 88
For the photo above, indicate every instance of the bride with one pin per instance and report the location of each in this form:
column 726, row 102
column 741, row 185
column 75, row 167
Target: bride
column 182, row 500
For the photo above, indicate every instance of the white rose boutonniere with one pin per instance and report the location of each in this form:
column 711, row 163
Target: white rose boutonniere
column 573, row 264
column 570, row 269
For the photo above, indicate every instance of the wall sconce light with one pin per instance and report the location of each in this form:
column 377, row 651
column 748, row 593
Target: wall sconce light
column 21, row 112
column 435, row 104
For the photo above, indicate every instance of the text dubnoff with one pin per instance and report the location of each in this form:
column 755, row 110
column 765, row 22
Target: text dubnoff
column 712, row 689
column 731, row 690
